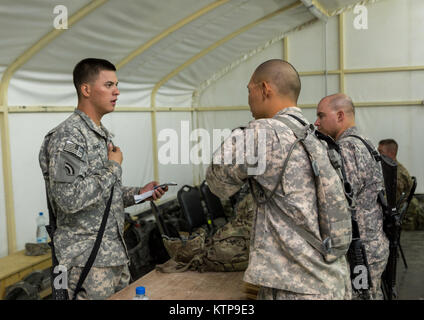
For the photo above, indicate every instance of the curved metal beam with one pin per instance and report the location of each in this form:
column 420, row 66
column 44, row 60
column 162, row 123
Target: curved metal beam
column 146, row 46
column 40, row 44
column 216, row 45
column 231, row 66
column 168, row 31
column 4, row 118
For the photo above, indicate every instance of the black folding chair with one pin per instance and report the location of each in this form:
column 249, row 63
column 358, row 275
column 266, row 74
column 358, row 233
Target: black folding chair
column 404, row 209
column 189, row 199
column 213, row 204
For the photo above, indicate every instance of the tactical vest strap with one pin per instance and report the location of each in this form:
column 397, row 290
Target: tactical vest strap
column 371, row 150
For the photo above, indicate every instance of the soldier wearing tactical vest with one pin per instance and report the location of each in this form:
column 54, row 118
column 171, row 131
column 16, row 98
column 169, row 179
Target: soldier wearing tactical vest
column 281, row 262
column 336, row 118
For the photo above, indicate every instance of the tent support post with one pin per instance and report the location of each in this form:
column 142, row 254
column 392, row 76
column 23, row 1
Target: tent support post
column 286, row 48
column 341, row 54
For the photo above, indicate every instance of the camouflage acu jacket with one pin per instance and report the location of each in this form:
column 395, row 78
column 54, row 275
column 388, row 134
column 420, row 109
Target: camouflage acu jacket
column 79, row 177
column 404, row 182
column 279, row 257
column 366, row 177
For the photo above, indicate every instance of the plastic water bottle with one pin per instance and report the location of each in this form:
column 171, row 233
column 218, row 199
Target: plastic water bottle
column 41, row 228
column 140, row 294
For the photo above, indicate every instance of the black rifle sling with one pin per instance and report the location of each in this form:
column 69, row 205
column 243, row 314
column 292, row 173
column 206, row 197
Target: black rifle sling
column 95, row 249
column 371, row 150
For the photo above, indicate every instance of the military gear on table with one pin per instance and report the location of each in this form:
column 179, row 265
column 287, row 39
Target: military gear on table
column 227, row 250
column 365, row 176
column 280, row 257
column 183, row 249
column 36, row 249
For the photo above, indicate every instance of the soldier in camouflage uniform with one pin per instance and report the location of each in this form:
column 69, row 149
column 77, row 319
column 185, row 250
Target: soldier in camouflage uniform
column 281, row 261
column 389, row 147
column 336, row 118
column 80, row 166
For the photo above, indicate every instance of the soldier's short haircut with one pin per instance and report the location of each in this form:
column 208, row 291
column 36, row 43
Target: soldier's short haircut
column 282, row 74
column 87, row 70
column 391, row 144
column 341, row 101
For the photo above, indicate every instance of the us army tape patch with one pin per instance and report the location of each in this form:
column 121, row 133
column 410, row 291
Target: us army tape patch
column 75, row 149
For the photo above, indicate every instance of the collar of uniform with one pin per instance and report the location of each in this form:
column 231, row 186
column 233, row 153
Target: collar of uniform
column 90, row 123
column 349, row 131
column 289, row 110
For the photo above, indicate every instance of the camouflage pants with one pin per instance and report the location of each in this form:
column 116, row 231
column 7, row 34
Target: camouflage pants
column 266, row 293
column 100, row 283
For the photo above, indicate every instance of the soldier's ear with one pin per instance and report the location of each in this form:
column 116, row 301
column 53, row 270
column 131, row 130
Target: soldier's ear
column 85, row 90
column 340, row 116
column 266, row 89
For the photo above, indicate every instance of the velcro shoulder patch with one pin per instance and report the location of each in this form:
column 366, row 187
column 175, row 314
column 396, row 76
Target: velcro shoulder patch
column 74, row 149
column 68, row 167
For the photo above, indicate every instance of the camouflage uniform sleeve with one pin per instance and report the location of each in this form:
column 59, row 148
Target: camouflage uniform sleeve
column 234, row 161
column 128, row 194
column 351, row 164
column 74, row 184
column 404, row 182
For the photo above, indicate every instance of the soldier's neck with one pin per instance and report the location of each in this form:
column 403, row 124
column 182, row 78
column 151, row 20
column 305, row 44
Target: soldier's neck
column 90, row 112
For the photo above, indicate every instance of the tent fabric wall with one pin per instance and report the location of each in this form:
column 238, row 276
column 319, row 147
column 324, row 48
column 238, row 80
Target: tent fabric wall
column 196, row 55
column 375, row 47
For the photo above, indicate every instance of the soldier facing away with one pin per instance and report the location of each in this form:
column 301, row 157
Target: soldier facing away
column 336, row 118
column 413, row 216
column 80, row 166
column 281, row 261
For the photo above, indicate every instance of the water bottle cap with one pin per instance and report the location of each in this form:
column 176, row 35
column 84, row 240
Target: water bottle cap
column 40, row 214
column 140, row 290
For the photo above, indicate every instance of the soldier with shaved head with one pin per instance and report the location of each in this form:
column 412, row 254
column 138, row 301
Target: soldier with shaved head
column 336, row 118
column 281, row 262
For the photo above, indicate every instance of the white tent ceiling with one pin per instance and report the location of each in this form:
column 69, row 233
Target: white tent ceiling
column 164, row 46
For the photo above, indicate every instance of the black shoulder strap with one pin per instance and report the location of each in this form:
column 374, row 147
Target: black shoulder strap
column 371, row 150
column 95, row 249
column 298, row 119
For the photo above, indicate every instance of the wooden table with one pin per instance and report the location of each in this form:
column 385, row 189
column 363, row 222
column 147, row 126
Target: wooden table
column 17, row 266
column 189, row 285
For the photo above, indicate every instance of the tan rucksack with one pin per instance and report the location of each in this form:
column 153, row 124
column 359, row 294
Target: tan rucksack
column 227, row 250
column 334, row 217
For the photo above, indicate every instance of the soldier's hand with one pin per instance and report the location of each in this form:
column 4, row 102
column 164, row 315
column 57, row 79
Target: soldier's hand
column 115, row 154
column 157, row 194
